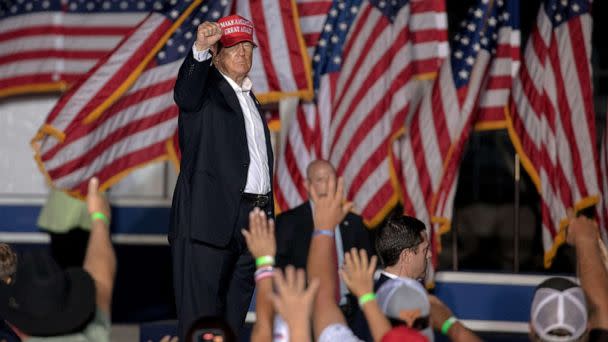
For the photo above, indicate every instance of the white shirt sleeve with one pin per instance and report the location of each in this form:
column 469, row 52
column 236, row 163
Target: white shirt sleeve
column 200, row 56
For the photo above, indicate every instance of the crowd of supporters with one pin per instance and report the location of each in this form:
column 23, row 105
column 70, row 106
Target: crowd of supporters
column 39, row 301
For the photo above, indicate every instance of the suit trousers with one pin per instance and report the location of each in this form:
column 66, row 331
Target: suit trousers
column 214, row 281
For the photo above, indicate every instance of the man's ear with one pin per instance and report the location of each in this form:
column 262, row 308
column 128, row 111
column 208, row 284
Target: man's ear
column 404, row 256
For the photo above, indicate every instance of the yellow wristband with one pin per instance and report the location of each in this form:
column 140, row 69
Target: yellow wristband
column 100, row 216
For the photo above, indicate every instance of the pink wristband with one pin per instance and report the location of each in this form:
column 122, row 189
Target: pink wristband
column 263, row 276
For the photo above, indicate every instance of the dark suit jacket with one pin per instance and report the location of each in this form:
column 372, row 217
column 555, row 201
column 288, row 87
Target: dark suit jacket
column 294, row 230
column 215, row 157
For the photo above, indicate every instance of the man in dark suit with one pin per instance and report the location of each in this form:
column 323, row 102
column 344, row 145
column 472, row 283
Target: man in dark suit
column 295, row 227
column 226, row 171
column 403, row 249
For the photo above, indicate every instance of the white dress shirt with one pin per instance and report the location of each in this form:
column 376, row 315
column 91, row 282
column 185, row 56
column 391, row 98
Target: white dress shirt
column 258, row 175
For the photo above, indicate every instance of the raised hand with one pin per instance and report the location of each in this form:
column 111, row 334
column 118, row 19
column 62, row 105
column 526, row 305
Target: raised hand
column 260, row 236
column 293, row 301
column 207, row 34
column 331, row 209
column 580, row 227
column 358, row 272
column 96, row 202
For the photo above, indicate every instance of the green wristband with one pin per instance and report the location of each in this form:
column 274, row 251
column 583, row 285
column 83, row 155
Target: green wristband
column 445, row 327
column 264, row 260
column 366, row 298
column 100, row 216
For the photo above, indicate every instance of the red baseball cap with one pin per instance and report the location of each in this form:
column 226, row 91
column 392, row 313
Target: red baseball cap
column 235, row 29
column 401, row 333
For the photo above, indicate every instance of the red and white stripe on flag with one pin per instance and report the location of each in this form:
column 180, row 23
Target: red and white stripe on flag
column 281, row 65
column 122, row 116
column 431, row 150
column 362, row 107
column 552, row 122
column 49, row 45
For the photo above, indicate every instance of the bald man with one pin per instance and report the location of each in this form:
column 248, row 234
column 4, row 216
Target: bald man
column 294, row 229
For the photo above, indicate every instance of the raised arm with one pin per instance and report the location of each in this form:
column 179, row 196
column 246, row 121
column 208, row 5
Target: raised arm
column 261, row 243
column 358, row 274
column 192, row 76
column 293, row 301
column 100, row 258
column 328, row 212
column 443, row 320
column 583, row 234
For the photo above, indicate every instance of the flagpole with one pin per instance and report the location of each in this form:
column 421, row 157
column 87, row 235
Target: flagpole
column 516, row 216
column 455, row 247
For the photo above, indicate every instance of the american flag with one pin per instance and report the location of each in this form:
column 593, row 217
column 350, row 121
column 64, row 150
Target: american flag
column 367, row 54
column 484, row 55
column 552, row 119
column 122, row 116
column 46, row 45
column 313, row 14
column 281, row 67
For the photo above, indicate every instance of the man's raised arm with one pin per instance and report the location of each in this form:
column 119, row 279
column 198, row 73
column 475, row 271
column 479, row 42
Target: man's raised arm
column 192, row 76
column 321, row 264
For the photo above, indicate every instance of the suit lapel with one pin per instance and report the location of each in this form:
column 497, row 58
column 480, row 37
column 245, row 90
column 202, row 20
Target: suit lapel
column 232, row 101
column 346, row 233
column 228, row 93
column 236, row 112
column 306, row 217
column 231, row 98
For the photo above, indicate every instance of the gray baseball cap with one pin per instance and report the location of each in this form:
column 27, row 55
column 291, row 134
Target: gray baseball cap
column 405, row 300
column 559, row 311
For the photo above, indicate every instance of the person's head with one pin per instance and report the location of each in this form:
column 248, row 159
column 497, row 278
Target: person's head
column 43, row 300
column 8, row 263
column 318, row 174
column 405, row 303
column 403, row 247
column 558, row 312
column 233, row 54
column 212, row 329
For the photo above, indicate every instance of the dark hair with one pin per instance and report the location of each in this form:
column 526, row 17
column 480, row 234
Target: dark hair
column 557, row 283
column 218, row 47
column 400, row 232
column 8, row 261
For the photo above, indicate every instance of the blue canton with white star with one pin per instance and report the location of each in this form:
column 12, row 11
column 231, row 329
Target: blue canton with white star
column 328, row 52
column 176, row 47
column 480, row 31
column 560, row 11
column 181, row 41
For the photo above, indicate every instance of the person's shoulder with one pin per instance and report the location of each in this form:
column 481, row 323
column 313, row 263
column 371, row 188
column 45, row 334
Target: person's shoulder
column 355, row 219
column 294, row 212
